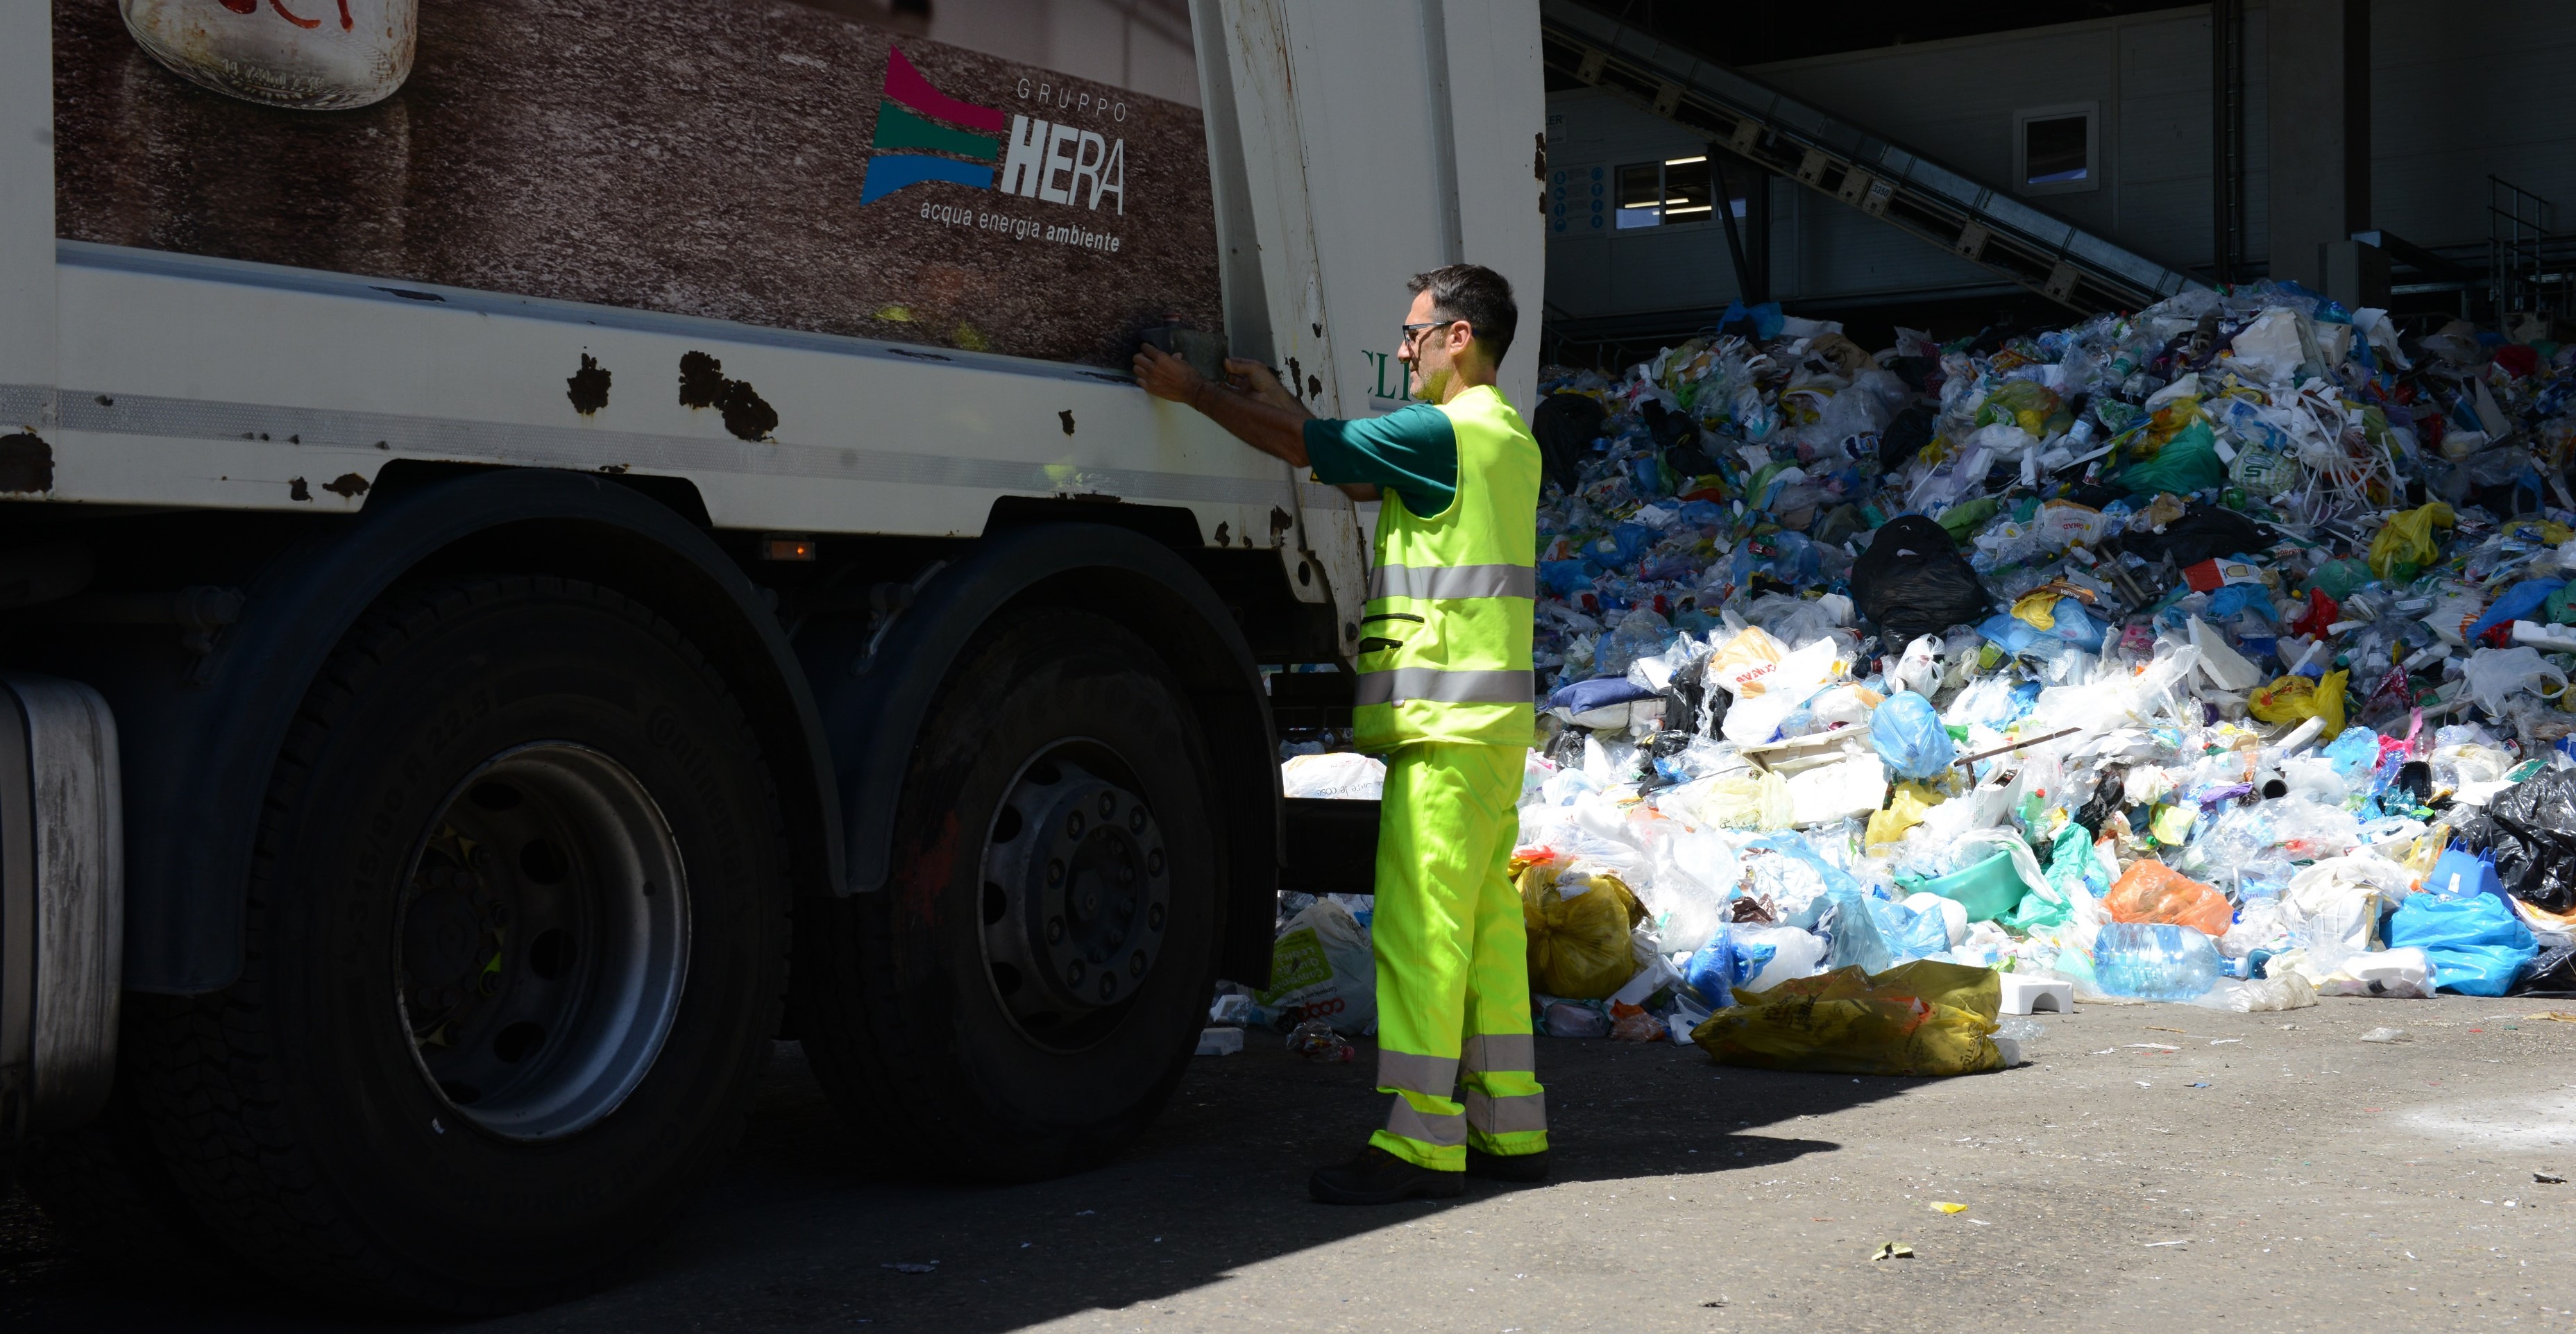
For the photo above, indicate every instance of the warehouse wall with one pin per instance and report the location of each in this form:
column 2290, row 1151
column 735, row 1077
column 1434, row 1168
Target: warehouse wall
column 2459, row 91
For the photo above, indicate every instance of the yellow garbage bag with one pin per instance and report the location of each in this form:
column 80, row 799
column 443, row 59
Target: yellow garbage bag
column 1920, row 1018
column 1578, row 945
column 2295, row 697
column 2407, row 541
column 1905, row 810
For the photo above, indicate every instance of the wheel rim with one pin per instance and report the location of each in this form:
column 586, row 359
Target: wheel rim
column 1077, row 895
column 542, row 941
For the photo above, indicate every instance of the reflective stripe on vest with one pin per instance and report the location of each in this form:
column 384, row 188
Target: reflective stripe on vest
column 1454, row 581
column 1450, row 597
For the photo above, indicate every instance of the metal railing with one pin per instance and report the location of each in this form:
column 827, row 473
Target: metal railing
column 2530, row 265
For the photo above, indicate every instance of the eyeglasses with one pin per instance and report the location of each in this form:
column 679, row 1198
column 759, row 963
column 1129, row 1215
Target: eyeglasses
column 1413, row 332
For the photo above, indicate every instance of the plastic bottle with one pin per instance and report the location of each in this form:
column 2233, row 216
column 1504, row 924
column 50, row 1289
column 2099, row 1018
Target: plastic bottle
column 2154, row 961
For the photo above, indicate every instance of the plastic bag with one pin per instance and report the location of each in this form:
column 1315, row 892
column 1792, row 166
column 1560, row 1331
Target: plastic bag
column 1342, row 775
column 1912, row 581
column 2186, row 463
column 1765, row 699
column 1919, row 670
column 2150, row 891
column 2529, row 830
column 1322, row 966
column 1745, row 663
column 2269, row 350
column 1910, row 933
column 1921, row 1018
column 2286, row 992
column 1578, row 944
column 2494, row 676
column 2475, row 942
column 1732, row 958
column 1907, row 732
column 1694, row 870
column 2405, row 543
column 2292, row 698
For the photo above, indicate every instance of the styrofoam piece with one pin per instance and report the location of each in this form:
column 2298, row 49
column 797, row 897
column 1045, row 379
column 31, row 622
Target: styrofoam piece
column 2012, row 1052
column 2037, row 995
column 1220, row 1041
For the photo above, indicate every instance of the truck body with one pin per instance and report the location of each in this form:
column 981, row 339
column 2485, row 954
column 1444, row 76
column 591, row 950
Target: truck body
column 475, row 566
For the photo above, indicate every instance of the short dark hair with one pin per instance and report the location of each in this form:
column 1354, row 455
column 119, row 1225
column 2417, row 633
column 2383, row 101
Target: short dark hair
column 1476, row 294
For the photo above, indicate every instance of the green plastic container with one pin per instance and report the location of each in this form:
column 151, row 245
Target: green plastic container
column 1989, row 889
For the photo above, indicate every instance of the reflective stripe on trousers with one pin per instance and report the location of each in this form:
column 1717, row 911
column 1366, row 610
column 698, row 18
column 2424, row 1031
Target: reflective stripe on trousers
column 1389, row 685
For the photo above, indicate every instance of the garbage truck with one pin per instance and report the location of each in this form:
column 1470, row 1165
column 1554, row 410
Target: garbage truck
column 547, row 545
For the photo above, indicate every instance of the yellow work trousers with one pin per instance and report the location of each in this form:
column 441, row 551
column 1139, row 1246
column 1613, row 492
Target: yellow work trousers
column 1453, row 1003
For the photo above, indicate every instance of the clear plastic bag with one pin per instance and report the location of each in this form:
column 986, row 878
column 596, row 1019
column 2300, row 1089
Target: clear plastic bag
column 2495, row 677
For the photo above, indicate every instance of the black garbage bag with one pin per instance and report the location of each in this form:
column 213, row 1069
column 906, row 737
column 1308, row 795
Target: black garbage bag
column 2204, row 532
column 1912, row 581
column 2529, row 830
column 1566, row 425
column 1679, row 437
column 1904, row 438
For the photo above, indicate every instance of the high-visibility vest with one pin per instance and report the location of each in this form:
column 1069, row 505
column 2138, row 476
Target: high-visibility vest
column 1444, row 651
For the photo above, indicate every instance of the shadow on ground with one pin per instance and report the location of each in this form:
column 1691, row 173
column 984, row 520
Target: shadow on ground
column 802, row 1231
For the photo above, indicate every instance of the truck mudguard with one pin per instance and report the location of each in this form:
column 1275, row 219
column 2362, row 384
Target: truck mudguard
column 199, row 746
column 875, row 697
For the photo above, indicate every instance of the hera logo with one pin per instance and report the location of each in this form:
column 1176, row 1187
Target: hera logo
column 924, row 135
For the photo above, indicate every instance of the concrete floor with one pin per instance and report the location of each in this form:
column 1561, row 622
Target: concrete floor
column 2159, row 1167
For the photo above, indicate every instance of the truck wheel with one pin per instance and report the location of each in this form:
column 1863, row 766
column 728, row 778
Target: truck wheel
column 1025, row 994
column 516, row 942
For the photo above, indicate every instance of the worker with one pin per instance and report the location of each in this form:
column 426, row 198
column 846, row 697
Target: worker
column 1444, row 691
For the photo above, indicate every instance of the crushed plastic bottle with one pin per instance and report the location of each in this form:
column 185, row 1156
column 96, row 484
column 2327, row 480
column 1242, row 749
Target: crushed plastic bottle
column 2154, row 961
column 1316, row 1041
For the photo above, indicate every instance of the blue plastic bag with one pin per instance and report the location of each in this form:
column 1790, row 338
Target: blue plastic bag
column 1909, row 934
column 2514, row 604
column 1908, row 734
column 2354, row 752
column 1723, row 964
column 2476, row 943
column 1565, row 578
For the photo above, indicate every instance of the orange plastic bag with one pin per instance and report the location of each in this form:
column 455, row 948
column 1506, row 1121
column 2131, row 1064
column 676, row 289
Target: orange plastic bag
column 2150, row 891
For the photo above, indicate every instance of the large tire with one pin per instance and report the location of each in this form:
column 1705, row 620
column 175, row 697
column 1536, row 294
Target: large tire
column 915, row 1005
column 379, row 1111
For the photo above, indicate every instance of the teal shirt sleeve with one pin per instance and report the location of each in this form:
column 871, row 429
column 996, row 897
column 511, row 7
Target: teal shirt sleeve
column 1412, row 451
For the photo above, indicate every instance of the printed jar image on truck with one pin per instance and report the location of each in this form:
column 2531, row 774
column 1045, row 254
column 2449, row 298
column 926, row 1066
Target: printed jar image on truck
column 546, row 544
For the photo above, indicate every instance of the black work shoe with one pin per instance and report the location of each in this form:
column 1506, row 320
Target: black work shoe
column 1526, row 1169
column 1379, row 1177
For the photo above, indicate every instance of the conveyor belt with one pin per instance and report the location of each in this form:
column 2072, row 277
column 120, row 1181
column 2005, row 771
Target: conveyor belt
column 1889, row 182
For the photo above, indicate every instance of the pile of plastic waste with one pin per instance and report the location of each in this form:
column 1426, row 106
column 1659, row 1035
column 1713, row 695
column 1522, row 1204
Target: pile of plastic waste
column 2214, row 653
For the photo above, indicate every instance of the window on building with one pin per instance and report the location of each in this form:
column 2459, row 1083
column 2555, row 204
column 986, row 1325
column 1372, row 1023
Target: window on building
column 1675, row 191
column 1641, row 195
column 2054, row 149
